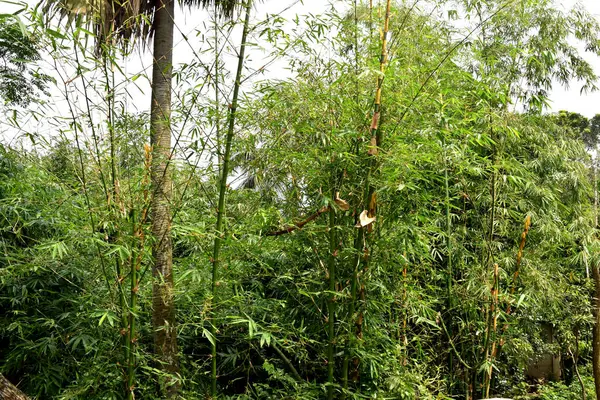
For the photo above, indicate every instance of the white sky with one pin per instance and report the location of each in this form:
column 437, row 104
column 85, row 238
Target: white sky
column 570, row 99
column 190, row 23
column 561, row 98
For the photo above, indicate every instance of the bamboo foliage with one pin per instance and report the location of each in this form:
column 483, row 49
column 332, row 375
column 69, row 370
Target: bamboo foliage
column 335, row 265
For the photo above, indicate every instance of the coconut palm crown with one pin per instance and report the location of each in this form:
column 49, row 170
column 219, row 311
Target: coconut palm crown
column 122, row 21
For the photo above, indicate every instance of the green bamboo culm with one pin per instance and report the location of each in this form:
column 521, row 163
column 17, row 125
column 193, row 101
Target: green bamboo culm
column 488, row 338
column 331, row 303
column 449, row 271
column 130, row 337
column 216, row 79
column 596, row 298
column 113, row 203
column 137, row 249
column 444, row 132
column 219, row 234
column 369, row 202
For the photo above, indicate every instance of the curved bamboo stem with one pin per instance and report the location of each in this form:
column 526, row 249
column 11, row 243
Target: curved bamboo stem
column 222, row 190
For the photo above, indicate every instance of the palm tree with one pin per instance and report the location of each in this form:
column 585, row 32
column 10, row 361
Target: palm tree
column 124, row 22
column 8, row 391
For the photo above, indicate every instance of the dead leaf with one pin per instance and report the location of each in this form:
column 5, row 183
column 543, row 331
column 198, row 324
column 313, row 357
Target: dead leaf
column 372, row 146
column 373, row 203
column 375, row 121
column 364, row 219
column 342, row 204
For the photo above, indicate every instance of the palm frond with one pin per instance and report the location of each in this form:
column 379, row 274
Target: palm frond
column 224, row 7
column 121, row 22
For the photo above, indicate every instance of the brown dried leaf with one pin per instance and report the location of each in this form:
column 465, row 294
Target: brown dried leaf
column 375, row 120
column 373, row 203
column 342, row 204
column 372, row 146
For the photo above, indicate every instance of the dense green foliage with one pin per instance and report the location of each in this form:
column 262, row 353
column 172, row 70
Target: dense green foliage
column 19, row 82
column 483, row 237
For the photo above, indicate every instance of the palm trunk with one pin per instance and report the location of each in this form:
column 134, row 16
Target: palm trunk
column 8, row 391
column 222, row 190
column 163, row 313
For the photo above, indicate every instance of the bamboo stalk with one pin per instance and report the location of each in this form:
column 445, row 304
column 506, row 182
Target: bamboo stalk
column 356, row 59
column 222, row 190
column 596, row 329
column 596, row 295
column 331, row 303
column 449, row 271
column 575, row 357
column 331, row 268
column 286, row 360
column 88, row 105
column 370, row 18
column 130, row 335
column 369, row 200
column 216, row 79
column 513, row 285
column 497, row 344
column 493, row 328
column 136, row 263
column 486, row 258
column 404, row 311
column 114, row 203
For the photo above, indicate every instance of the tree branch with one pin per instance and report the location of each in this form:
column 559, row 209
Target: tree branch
column 299, row 225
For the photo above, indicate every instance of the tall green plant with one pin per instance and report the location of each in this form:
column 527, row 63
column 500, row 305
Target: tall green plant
column 220, row 227
column 369, row 203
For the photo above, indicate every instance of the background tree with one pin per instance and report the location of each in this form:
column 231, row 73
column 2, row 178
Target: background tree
column 20, row 82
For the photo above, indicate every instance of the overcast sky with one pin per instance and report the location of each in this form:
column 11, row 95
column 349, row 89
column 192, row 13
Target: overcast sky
column 570, row 99
column 561, row 98
column 191, row 23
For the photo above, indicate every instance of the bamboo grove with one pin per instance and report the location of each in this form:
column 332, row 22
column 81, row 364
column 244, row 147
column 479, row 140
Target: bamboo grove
column 369, row 202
